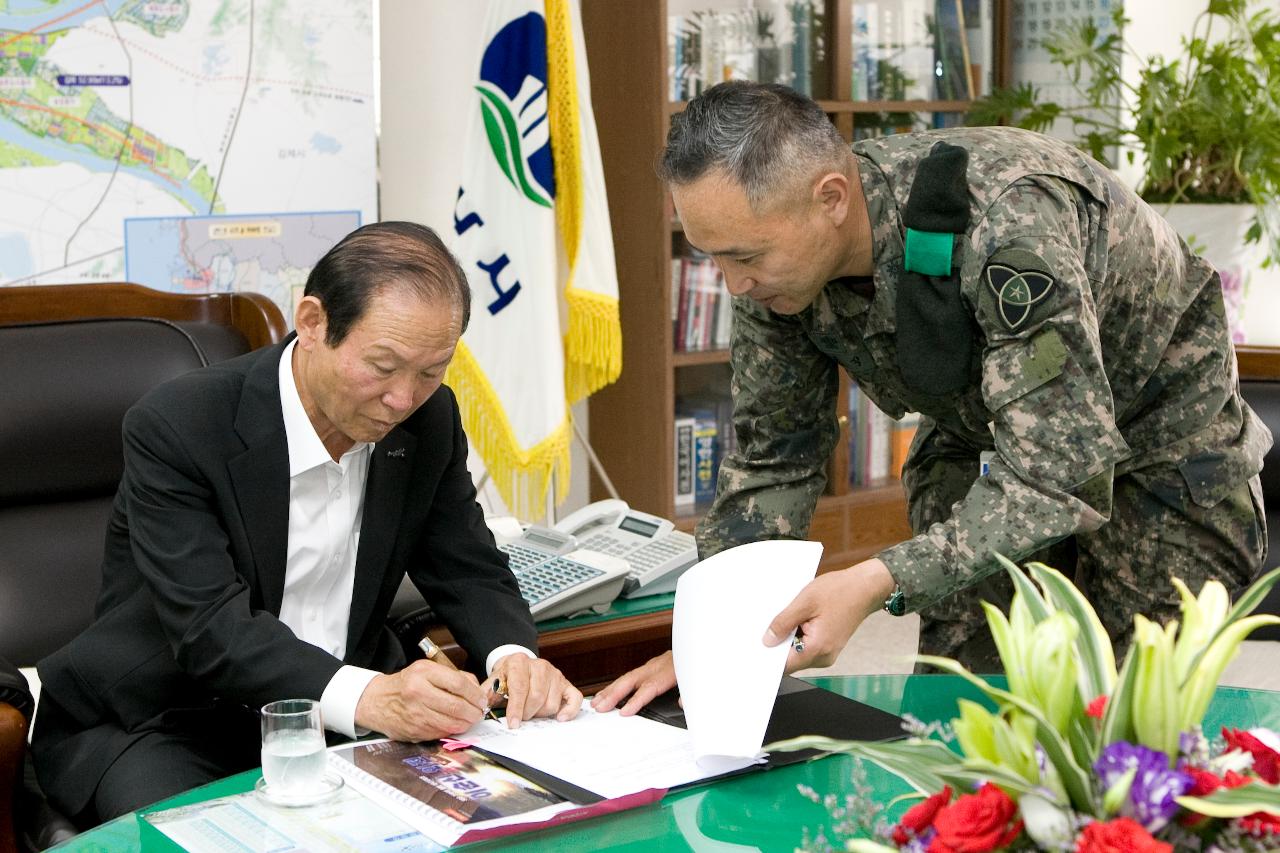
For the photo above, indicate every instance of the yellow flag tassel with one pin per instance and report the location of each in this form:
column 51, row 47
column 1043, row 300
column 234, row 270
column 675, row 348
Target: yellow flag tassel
column 593, row 341
column 521, row 476
column 593, row 344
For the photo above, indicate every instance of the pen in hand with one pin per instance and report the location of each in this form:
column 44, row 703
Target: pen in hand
column 494, row 688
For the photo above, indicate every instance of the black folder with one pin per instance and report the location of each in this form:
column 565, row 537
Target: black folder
column 801, row 709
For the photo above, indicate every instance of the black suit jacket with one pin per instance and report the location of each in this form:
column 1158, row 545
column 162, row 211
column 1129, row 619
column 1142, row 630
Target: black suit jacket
column 186, row 628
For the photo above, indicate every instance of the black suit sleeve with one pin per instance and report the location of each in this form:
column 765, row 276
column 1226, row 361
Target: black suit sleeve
column 201, row 598
column 459, row 569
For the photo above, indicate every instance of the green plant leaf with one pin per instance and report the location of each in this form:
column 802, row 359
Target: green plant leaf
column 1235, row 802
column 918, row 762
column 1097, row 659
column 970, row 775
column 1117, row 719
column 1037, row 604
column 1074, row 779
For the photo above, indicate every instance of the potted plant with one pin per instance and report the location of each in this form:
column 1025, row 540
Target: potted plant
column 1203, row 127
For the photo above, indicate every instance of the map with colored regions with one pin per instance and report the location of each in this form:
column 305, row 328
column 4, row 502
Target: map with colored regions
column 116, row 110
column 270, row 254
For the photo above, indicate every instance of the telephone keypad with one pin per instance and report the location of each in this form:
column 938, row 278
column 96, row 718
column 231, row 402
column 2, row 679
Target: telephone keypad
column 520, row 557
column 542, row 580
column 606, row 544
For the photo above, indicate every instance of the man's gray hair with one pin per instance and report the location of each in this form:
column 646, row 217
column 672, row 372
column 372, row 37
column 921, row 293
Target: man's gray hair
column 766, row 137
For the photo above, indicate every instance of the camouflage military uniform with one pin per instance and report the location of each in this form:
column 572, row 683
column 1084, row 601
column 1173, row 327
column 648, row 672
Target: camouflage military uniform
column 1103, row 378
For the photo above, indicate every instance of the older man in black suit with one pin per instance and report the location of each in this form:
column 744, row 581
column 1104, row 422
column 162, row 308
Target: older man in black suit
column 270, row 507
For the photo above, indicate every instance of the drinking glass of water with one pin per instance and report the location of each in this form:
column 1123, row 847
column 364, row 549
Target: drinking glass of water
column 293, row 754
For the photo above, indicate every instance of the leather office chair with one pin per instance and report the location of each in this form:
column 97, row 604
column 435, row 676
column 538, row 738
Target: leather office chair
column 1260, row 386
column 73, row 359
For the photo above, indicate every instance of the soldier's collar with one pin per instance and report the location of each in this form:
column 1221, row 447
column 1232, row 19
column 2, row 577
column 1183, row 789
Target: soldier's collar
column 882, row 211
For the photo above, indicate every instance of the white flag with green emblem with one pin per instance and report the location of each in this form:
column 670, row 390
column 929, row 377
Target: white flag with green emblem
column 532, row 231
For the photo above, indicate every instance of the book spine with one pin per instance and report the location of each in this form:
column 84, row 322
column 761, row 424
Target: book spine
column 704, row 455
column 684, row 474
column 879, row 445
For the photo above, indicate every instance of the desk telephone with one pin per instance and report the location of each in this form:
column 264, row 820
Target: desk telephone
column 656, row 552
column 595, row 554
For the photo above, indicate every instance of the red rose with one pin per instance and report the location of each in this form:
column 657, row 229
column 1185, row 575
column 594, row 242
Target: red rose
column 976, row 823
column 1266, row 761
column 920, row 817
column 1261, row 823
column 1202, row 782
column 1097, row 707
column 1232, row 779
column 1122, row 835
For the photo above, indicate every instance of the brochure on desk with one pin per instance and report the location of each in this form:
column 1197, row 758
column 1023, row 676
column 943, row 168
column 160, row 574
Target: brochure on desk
column 402, row 797
column 460, row 795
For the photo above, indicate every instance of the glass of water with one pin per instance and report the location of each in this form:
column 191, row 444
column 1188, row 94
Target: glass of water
column 293, row 753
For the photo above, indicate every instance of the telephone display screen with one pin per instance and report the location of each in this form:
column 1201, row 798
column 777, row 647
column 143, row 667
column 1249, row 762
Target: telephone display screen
column 635, row 525
column 544, row 541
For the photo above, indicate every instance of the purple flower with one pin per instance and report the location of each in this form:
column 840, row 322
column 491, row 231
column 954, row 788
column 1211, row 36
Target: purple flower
column 1151, row 796
column 921, row 844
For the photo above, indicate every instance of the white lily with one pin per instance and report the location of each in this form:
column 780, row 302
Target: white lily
column 1154, row 702
column 1201, row 681
column 1049, row 825
column 974, row 731
column 1051, row 668
column 1202, row 616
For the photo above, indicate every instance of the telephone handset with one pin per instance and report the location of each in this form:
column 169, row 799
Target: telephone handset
column 656, row 552
column 558, row 578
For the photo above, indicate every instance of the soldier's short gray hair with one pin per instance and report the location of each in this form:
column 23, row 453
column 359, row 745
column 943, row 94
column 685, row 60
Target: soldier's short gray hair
column 765, row 136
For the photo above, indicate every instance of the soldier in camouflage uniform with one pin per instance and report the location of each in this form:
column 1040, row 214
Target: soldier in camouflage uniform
column 1044, row 314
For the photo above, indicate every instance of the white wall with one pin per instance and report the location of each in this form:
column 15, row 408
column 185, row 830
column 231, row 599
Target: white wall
column 424, row 98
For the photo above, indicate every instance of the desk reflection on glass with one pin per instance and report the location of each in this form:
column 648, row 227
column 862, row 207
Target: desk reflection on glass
column 760, row 811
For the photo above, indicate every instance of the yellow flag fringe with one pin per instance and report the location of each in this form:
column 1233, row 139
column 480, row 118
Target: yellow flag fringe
column 562, row 112
column 521, row 476
column 593, row 340
column 592, row 345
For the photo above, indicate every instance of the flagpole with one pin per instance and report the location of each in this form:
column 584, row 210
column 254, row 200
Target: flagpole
column 596, row 464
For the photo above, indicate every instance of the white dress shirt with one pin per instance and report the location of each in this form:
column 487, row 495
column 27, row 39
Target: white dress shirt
column 326, row 505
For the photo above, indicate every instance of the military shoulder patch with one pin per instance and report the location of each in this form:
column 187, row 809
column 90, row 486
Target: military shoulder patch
column 1016, row 291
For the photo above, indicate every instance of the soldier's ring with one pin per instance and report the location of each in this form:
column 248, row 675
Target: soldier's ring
column 797, row 644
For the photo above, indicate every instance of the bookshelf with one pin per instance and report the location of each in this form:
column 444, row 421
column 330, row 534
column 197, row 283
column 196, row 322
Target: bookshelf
column 632, row 420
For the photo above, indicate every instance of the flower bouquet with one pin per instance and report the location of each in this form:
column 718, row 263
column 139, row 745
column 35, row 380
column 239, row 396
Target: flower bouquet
column 1080, row 757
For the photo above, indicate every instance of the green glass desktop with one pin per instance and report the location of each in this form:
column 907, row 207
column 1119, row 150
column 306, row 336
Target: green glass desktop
column 759, row 811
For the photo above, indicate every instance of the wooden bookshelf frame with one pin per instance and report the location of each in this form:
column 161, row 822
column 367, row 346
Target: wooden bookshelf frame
column 631, row 420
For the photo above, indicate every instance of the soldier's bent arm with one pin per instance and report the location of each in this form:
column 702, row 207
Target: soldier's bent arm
column 784, row 393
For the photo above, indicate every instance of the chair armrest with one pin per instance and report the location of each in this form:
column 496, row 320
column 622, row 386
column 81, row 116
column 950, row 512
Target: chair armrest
column 13, row 745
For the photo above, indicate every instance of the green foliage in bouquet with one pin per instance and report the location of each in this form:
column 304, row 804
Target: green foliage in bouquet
column 1076, row 751
column 1207, row 122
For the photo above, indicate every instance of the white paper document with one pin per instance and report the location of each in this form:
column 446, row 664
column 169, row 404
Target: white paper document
column 607, row 754
column 728, row 678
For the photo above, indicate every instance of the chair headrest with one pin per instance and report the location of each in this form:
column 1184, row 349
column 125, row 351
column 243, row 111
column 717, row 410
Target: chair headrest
column 65, row 388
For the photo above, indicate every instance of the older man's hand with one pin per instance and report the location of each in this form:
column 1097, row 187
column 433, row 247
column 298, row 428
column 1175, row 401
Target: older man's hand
column 533, row 688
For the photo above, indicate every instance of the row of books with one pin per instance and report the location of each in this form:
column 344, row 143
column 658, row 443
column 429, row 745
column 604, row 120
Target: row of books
column 769, row 41
column 704, row 436
column 701, row 309
column 878, row 444
column 921, row 49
